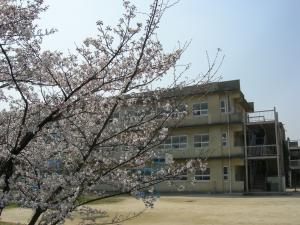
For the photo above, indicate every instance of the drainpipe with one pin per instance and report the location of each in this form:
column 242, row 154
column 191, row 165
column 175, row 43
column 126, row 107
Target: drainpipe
column 290, row 174
column 228, row 140
column 246, row 151
column 278, row 152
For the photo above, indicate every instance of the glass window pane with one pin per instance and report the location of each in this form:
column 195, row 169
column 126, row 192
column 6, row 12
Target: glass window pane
column 205, row 138
column 197, row 145
column 204, row 144
column 175, row 145
column 183, row 139
column 168, row 140
column 182, row 145
column 204, row 105
column 196, row 107
column 175, row 139
column 167, row 145
column 197, row 138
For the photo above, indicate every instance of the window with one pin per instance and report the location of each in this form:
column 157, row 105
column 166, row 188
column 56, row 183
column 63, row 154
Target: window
column 200, row 109
column 201, row 140
column 224, row 139
column 181, row 176
column 180, row 111
column 159, row 161
column 175, row 142
column 163, row 112
column 54, row 165
column 142, row 171
column 203, row 175
column 223, row 107
column 225, row 173
column 167, row 143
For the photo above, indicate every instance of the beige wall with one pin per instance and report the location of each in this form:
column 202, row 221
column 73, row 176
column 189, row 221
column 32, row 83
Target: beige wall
column 215, row 148
column 214, row 124
column 215, row 184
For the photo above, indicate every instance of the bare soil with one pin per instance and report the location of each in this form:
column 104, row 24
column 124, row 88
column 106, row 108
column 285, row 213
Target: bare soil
column 193, row 210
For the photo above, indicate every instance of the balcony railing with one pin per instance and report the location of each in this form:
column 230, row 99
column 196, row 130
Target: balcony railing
column 295, row 163
column 295, row 153
column 295, row 144
column 191, row 120
column 261, row 150
column 261, row 116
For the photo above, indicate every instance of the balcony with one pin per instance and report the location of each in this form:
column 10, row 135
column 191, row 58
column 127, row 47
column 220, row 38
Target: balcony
column 261, row 151
column 295, row 164
column 189, row 153
column 294, row 145
column 295, row 153
column 210, row 119
column 261, row 116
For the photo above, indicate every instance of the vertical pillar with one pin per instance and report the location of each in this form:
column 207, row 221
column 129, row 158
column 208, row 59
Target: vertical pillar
column 229, row 145
column 246, row 152
column 278, row 151
column 290, row 173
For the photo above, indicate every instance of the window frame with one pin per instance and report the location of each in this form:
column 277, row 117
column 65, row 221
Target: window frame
column 225, row 173
column 223, row 109
column 181, row 145
column 201, row 142
column 201, row 177
column 180, row 111
column 224, row 140
column 200, row 111
column 183, row 176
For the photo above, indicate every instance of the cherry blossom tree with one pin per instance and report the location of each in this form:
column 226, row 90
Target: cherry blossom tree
column 88, row 121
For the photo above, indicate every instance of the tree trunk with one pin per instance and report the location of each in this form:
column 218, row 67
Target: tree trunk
column 38, row 212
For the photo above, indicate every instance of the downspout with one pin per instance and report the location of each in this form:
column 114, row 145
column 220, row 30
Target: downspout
column 278, row 152
column 246, row 152
column 290, row 174
column 229, row 148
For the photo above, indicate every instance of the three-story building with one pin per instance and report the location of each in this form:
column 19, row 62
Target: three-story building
column 243, row 149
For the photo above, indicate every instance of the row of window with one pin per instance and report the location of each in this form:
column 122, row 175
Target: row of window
column 199, row 140
column 204, row 175
column 199, row 109
column 201, row 175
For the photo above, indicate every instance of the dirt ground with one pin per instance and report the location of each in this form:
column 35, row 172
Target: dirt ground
column 195, row 210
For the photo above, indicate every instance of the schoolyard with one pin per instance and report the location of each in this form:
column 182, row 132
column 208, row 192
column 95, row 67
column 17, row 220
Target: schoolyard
column 191, row 210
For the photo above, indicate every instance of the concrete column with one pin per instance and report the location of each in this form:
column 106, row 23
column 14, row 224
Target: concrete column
column 245, row 151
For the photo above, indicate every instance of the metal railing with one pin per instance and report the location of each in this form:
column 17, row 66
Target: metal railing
column 261, row 116
column 261, row 150
column 295, row 163
column 295, row 153
column 294, row 144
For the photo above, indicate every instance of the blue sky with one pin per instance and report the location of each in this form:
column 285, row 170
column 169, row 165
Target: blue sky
column 261, row 41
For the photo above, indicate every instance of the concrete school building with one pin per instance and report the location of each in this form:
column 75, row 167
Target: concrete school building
column 243, row 148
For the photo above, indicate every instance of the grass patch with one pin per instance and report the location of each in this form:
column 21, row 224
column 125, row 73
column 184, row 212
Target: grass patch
column 111, row 200
column 11, row 206
column 7, row 223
